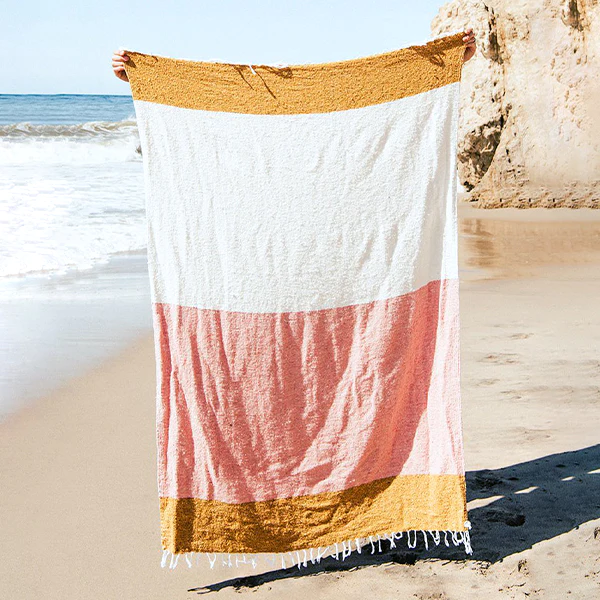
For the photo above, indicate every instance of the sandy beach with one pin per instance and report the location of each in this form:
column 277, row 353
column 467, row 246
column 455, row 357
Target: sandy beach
column 79, row 506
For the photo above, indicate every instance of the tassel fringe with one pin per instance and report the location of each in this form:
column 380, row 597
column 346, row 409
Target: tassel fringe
column 339, row 551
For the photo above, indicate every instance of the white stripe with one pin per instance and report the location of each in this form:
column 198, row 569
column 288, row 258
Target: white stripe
column 277, row 213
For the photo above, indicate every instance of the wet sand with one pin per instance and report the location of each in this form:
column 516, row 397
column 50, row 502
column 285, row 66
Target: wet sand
column 79, row 508
column 54, row 327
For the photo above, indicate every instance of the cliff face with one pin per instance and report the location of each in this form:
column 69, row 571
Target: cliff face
column 530, row 101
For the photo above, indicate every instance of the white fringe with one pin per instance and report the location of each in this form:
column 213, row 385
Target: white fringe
column 339, row 551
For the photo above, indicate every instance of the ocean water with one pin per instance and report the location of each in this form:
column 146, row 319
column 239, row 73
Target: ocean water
column 71, row 182
column 73, row 271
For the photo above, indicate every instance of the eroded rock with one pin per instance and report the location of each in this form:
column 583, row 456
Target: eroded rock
column 530, row 101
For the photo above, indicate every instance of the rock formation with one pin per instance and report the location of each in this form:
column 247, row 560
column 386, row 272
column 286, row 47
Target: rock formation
column 530, row 101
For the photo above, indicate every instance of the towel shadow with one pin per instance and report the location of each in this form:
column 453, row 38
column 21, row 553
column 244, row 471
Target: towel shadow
column 520, row 506
column 436, row 59
column 246, row 73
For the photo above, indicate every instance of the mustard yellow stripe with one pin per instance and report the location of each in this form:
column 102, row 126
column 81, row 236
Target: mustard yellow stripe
column 405, row 502
column 311, row 88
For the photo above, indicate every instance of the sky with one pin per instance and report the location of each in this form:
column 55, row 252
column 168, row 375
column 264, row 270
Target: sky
column 65, row 47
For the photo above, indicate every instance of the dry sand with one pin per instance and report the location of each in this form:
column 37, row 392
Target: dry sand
column 78, row 501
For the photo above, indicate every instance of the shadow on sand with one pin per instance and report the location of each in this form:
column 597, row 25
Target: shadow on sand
column 519, row 506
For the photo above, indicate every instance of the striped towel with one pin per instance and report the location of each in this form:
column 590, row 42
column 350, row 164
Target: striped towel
column 302, row 252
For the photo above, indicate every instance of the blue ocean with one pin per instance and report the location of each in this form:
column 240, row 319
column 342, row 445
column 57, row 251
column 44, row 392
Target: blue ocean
column 71, row 182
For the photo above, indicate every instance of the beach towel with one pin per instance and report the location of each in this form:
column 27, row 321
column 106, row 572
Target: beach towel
column 302, row 255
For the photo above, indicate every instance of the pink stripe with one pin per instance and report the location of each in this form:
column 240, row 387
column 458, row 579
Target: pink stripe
column 256, row 406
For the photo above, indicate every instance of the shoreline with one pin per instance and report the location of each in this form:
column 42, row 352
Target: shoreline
column 535, row 214
column 75, row 307
column 100, row 335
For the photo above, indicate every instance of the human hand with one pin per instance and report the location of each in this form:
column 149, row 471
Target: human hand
column 118, row 63
column 470, row 45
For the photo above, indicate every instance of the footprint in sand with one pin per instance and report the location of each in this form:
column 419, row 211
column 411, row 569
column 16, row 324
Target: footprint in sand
column 487, row 382
column 501, row 359
column 501, row 515
column 486, row 480
column 523, row 567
